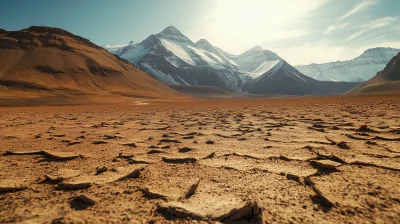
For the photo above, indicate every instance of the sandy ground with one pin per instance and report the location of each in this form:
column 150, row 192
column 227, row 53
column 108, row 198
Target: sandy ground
column 308, row 160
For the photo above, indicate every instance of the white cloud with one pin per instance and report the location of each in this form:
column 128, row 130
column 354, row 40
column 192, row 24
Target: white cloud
column 355, row 35
column 381, row 22
column 359, row 7
column 334, row 28
column 375, row 24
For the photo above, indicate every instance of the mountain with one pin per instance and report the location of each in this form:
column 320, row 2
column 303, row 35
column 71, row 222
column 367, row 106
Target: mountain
column 387, row 80
column 174, row 59
column 252, row 59
column 226, row 57
column 280, row 78
column 283, row 79
column 359, row 69
column 51, row 62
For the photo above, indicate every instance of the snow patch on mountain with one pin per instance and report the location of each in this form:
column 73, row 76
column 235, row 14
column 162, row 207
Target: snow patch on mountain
column 321, row 77
column 167, row 78
column 178, row 50
column 253, row 58
column 263, row 68
column 133, row 53
column 114, row 48
column 223, row 57
column 212, row 59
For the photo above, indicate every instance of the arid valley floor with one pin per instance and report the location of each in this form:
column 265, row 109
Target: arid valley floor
column 293, row 160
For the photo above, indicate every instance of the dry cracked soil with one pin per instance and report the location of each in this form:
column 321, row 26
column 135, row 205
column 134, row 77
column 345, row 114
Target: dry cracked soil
column 293, row 160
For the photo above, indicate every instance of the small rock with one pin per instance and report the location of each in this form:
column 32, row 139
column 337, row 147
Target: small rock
column 179, row 160
column 184, row 149
column 343, row 145
column 81, row 202
column 211, row 155
column 131, row 144
column 101, row 170
column 370, row 143
column 86, row 199
column 169, row 140
column 154, row 151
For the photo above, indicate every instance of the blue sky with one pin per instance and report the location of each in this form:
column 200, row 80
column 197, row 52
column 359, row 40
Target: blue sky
column 300, row 31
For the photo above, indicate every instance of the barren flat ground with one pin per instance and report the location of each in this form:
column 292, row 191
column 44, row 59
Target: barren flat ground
column 293, row 160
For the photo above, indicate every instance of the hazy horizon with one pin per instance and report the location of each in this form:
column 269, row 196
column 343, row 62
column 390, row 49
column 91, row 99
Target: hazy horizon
column 301, row 31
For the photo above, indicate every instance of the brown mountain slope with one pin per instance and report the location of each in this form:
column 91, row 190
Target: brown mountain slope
column 384, row 81
column 44, row 62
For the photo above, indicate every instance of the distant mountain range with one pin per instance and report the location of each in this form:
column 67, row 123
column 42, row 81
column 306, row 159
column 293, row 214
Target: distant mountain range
column 49, row 63
column 174, row 59
column 387, row 80
column 360, row 69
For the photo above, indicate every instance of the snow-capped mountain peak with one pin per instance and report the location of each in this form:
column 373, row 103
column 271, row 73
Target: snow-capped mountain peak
column 171, row 30
column 258, row 51
column 250, row 60
column 358, row 69
column 172, row 33
column 378, row 53
column 204, row 44
column 256, row 48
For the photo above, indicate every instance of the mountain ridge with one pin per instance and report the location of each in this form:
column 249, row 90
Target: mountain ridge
column 361, row 68
column 174, row 59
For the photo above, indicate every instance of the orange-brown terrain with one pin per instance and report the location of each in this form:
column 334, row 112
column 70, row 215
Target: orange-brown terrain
column 293, row 160
column 45, row 65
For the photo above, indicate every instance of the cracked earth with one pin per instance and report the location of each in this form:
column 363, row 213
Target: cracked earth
column 294, row 160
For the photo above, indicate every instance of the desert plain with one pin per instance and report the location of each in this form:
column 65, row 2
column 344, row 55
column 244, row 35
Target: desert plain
column 277, row 160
